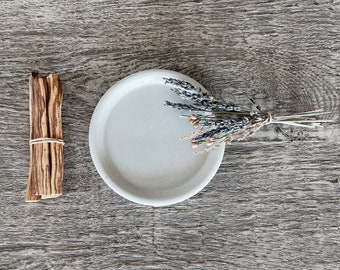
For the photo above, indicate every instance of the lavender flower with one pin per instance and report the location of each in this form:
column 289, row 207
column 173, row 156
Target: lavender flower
column 199, row 100
column 217, row 121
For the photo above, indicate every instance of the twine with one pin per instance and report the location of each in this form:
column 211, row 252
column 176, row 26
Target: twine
column 46, row 140
column 269, row 119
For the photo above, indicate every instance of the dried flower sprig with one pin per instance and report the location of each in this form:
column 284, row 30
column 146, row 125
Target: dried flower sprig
column 217, row 121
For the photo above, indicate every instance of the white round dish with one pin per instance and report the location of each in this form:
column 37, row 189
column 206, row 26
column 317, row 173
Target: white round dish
column 135, row 142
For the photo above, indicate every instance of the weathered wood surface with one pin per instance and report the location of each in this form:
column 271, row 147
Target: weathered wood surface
column 273, row 204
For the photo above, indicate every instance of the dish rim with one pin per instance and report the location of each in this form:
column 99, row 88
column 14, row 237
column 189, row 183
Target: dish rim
column 217, row 154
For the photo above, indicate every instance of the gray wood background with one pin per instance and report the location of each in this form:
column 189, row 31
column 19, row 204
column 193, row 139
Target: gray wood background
column 274, row 204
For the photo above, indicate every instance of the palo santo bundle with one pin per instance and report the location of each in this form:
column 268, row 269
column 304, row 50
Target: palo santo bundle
column 46, row 139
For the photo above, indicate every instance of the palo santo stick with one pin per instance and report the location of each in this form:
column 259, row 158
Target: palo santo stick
column 39, row 173
column 55, row 129
column 46, row 144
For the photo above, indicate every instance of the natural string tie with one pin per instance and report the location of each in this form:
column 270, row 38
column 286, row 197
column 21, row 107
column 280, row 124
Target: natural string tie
column 46, row 140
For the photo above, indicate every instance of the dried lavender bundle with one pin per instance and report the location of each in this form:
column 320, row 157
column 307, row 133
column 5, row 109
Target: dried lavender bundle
column 217, row 122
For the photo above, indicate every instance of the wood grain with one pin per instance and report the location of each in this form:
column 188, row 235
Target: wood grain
column 55, row 131
column 46, row 156
column 273, row 204
column 39, row 171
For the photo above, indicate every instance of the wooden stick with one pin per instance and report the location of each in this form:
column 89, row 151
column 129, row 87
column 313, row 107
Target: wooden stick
column 39, row 173
column 55, row 129
column 46, row 151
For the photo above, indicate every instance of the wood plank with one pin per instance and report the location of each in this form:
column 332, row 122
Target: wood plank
column 273, row 204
